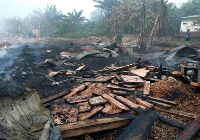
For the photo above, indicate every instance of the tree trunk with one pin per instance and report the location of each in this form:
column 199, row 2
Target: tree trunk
column 142, row 38
column 157, row 20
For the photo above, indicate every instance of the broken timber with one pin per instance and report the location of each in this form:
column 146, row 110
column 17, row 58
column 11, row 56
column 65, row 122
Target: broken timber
column 78, row 99
column 75, row 91
column 115, row 102
column 144, row 103
column 190, row 130
column 94, row 111
column 93, row 125
column 84, row 107
column 54, row 97
column 146, row 90
column 128, row 102
column 97, row 100
column 140, row 127
column 121, row 88
column 159, row 104
column 160, row 100
column 177, row 113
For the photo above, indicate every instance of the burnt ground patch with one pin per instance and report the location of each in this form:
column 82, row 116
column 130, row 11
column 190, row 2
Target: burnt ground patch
column 28, row 69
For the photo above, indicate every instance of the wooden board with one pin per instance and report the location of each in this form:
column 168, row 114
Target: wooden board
column 121, row 88
column 54, row 97
column 190, row 131
column 160, row 100
column 111, row 109
column 140, row 127
column 140, row 72
column 121, row 92
column 159, row 104
column 177, row 73
column 101, row 79
column 144, row 103
column 132, row 79
column 127, row 102
column 80, row 68
column 195, row 84
column 115, row 102
column 76, row 91
column 90, row 89
column 94, row 111
column 78, row 99
column 146, row 90
column 178, row 113
column 97, row 100
column 84, row 107
column 93, row 125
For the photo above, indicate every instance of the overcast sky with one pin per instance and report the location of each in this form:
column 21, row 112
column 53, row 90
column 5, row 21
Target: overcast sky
column 11, row 8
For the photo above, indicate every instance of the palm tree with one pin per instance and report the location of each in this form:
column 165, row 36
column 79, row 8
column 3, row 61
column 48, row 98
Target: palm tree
column 48, row 19
column 107, row 4
column 75, row 19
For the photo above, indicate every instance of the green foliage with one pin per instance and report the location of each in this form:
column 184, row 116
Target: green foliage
column 75, row 19
column 191, row 7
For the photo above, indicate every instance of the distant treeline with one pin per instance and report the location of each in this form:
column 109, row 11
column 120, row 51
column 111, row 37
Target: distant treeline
column 110, row 17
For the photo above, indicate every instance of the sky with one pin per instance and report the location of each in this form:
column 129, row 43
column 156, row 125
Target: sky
column 22, row 8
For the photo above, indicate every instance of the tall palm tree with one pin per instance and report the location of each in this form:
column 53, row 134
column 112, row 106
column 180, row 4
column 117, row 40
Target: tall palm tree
column 106, row 4
column 75, row 18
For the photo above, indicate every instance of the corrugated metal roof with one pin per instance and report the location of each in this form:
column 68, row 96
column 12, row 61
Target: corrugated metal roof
column 193, row 16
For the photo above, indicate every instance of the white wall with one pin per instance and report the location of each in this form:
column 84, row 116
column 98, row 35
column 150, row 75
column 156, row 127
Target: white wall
column 188, row 24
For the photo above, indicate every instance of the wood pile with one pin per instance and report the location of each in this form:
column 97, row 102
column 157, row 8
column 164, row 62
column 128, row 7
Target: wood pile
column 119, row 96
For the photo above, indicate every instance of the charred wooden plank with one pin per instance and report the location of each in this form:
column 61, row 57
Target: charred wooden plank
column 78, row 99
column 144, row 103
column 171, row 122
column 160, row 100
column 140, row 127
column 76, row 91
column 80, row 68
column 195, row 84
column 111, row 109
column 121, row 92
column 97, row 100
column 177, row 73
column 101, row 79
column 115, row 102
column 54, row 97
column 121, row 88
column 190, row 131
column 146, row 90
column 140, row 72
column 159, row 104
column 129, row 103
column 84, row 107
column 159, row 75
column 177, row 113
column 93, row 125
column 94, row 111
column 132, row 79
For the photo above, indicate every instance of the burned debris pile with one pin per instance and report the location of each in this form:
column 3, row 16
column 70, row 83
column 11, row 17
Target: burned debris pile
column 96, row 89
column 137, row 95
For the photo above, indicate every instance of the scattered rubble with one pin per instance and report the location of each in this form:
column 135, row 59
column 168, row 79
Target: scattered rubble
column 95, row 95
